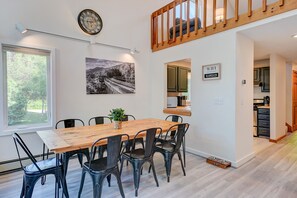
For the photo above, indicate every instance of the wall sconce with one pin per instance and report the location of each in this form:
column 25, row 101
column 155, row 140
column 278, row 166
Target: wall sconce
column 219, row 15
column 92, row 40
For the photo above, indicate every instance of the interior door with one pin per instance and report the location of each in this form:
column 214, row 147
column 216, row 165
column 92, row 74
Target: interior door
column 294, row 101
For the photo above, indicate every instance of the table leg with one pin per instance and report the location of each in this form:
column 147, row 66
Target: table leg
column 58, row 175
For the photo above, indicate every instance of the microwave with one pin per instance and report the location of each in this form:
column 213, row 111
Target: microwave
column 171, row 102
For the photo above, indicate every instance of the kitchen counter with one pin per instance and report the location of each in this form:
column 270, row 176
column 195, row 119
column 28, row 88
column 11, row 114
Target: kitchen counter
column 185, row 111
column 263, row 107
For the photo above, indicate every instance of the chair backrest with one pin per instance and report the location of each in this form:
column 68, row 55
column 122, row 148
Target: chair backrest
column 114, row 149
column 18, row 141
column 175, row 118
column 149, row 142
column 128, row 117
column 181, row 130
column 99, row 120
column 68, row 123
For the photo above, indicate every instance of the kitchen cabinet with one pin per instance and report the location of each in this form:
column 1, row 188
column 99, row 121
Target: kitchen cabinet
column 182, row 85
column 177, row 79
column 263, row 121
column 265, row 79
column 172, row 79
column 257, row 76
column 262, row 78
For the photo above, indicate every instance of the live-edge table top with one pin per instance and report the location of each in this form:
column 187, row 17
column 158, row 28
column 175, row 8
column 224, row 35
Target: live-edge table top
column 69, row 139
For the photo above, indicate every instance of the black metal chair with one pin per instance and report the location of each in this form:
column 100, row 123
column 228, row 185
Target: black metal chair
column 168, row 148
column 104, row 167
column 128, row 117
column 177, row 118
column 68, row 123
column 138, row 140
column 137, row 157
column 100, row 120
column 37, row 169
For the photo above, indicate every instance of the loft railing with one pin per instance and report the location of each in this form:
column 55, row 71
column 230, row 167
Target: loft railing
column 184, row 20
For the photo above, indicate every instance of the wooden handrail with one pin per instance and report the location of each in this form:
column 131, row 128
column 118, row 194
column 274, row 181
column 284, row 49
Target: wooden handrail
column 187, row 29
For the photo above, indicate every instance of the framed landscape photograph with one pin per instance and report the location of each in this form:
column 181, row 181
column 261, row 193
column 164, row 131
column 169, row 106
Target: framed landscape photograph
column 109, row 77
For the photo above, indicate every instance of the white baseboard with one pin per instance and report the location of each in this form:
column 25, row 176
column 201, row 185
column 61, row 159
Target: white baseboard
column 233, row 164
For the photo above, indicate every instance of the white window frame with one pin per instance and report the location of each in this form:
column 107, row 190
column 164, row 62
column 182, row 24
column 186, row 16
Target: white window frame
column 8, row 130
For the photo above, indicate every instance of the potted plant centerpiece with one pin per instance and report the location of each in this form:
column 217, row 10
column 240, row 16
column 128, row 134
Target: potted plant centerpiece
column 117, row 115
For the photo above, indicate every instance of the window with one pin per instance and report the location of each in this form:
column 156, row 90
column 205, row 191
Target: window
column 27, row 87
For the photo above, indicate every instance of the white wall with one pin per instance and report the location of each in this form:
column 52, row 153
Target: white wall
column 244, row 96
column 125, row 23
column 277, row 96
column 212, row 130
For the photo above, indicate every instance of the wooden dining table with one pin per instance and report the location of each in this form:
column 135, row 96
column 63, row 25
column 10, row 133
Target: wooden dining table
column 69, row 139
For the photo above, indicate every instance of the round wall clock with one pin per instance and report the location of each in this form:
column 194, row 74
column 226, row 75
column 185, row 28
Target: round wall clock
column 90, row 22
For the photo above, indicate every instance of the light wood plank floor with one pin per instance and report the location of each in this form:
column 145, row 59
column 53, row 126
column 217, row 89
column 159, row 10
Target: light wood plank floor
column 272, row 173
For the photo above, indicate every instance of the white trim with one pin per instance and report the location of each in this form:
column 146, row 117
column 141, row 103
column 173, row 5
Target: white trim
column 244, row 160
column 234, row 164
column 51, row 91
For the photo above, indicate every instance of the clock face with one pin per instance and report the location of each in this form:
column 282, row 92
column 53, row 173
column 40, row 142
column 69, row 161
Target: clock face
column 90, row 22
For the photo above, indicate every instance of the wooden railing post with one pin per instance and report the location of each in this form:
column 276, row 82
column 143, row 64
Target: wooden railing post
column 156, row 30
column 152, row 32
column 188, row 18
column 174, row 21
column 162, row 27
column 225, row 13
column 196, row 17
column 168, row 35
column 204, row 15
column 264, row 5
column 281, row 2
column 236, row 15
column 250, row 7
column 181, row 20
column 214, row 13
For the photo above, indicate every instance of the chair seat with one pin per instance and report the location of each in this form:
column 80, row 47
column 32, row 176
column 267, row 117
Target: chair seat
column 97, row 165
column 43, row 165
column 165, row 146
column 135, row 154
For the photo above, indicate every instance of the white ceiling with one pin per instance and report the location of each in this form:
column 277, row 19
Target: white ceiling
column 275, row 37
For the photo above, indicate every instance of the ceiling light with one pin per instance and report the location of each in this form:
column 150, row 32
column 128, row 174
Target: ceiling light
column 21, row 28
column 294, row 35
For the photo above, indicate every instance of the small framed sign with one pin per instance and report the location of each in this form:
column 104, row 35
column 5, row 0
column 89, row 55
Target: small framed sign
column 211, row 72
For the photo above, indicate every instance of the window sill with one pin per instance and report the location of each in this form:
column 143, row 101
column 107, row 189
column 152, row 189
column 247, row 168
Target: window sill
column 9, row 132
